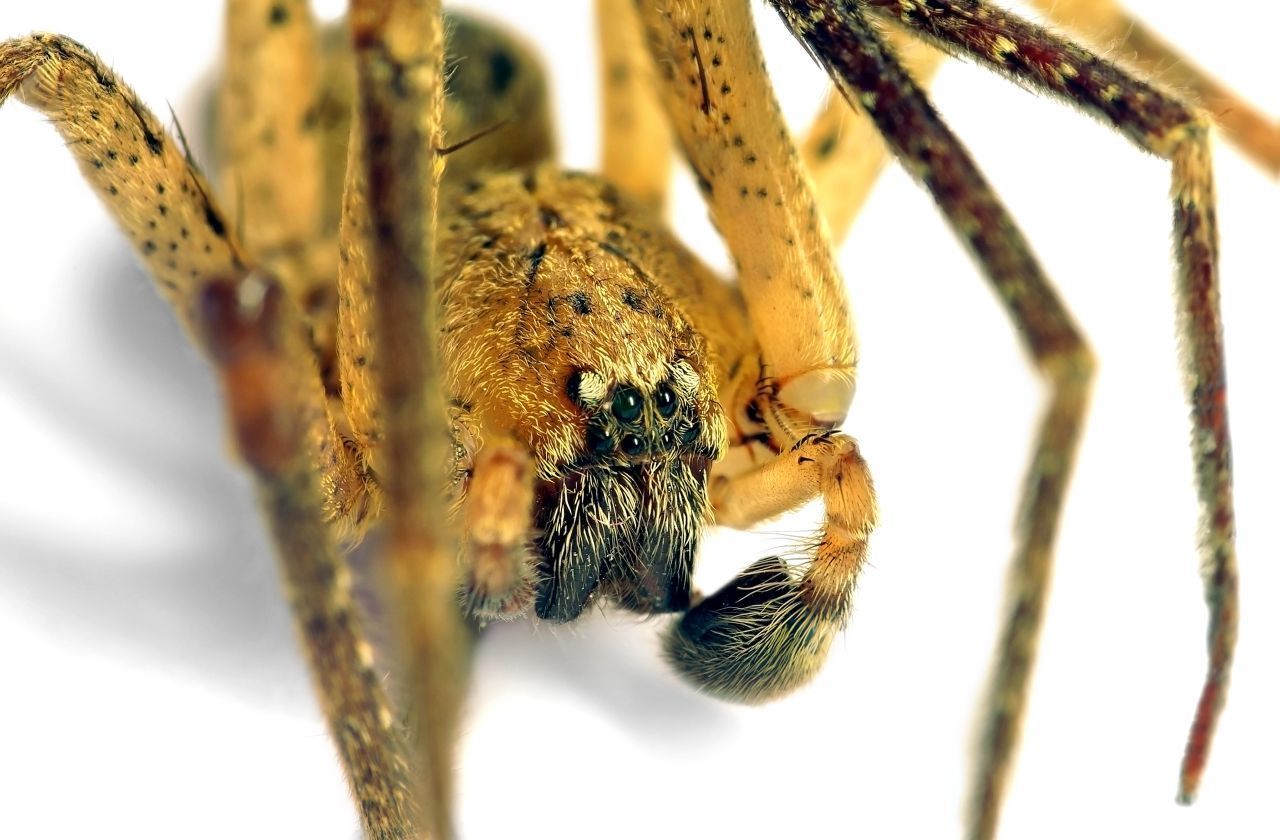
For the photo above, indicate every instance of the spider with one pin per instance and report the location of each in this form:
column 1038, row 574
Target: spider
column 882, row 564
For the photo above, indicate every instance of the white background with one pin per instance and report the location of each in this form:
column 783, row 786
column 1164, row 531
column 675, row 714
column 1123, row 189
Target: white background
column 151, row 687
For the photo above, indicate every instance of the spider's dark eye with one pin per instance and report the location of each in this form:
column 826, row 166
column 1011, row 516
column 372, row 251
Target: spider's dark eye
column 666, row 400
column 668, row 440
column 632, row 444
column 598, row 440
column 691, row 434
column 627, row 404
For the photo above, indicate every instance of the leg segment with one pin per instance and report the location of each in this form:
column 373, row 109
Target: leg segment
column 498, row 514
column 843, row 150
column 861, row 65
column 161, row 202
column 768, row 631
column 272, row 132
column 255, row 337
column 1104, row 22
column 267, row 127
column 637, row 141
column 1164, row 127
column 718, row 97
column 399, row 50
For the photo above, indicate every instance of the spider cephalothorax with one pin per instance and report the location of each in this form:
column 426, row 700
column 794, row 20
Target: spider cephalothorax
column 561, row 334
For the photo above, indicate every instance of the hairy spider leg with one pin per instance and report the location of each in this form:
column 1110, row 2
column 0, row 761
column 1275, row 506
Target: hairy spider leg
column 841, row 39
column 399, row 58
column 254, row 336
column 789, row 382
column 1106, row 24
column 635, row 135
column 1163, row 126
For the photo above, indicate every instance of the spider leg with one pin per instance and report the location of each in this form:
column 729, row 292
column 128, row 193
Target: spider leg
column 843, row 150
column 636, row 138
column 1163, row 126
column 161, row 201
column 725, row 115
column 399, row 53
column 1156, row 123
column 255, row 338
column 265, row 118
column 768, row 630
column 254, row 335
column 1106, row 23
column 283, row 83
column 156, row 194
column 498, row 521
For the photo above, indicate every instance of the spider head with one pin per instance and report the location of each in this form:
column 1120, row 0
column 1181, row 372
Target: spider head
column 627, row 423
column 625, row 519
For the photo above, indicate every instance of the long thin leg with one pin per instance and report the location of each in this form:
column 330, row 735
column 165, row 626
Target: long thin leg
column 637, row 141
column 1104, row 23
column 726, row 117
column 399, row 49
column 1165, row 127
column 843, row 150
column 267, row 129
column 254, row 337
column 256, row 340
column 861, row 65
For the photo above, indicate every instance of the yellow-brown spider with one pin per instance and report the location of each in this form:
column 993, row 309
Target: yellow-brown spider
column 550, row 214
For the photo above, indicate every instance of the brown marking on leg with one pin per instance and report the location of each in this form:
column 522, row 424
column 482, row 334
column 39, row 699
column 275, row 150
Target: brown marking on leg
column 251, row 331
column 843, row 150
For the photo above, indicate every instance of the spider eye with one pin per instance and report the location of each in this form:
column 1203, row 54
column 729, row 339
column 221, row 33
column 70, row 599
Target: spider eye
column 668, row 440
column 627, row 404
column 691, row 434
column 632, row 444
column 598, row 440
column 666, row 400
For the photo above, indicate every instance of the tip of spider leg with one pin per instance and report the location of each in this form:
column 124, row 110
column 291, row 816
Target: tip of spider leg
column 1188, row 785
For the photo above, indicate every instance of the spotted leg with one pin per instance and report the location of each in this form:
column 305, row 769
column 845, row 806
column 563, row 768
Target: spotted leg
column 255, row 338
column 769, row 629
